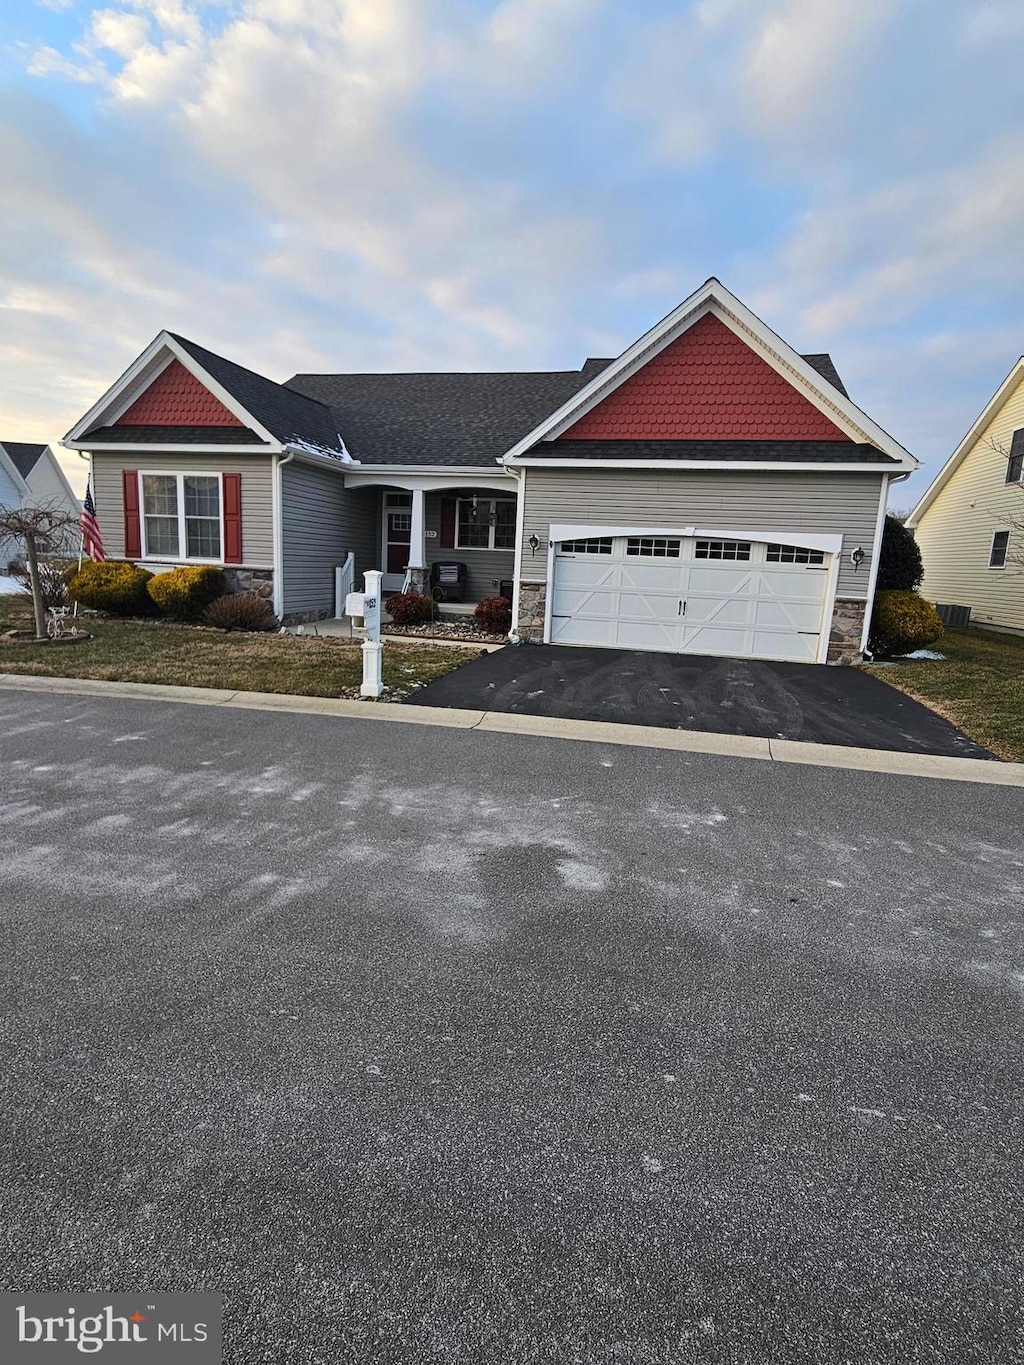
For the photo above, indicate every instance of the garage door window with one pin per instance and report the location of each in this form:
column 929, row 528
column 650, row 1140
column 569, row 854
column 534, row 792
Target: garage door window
column 653, row 547
column 722, row 549
column 794, row 554
column 596, row 545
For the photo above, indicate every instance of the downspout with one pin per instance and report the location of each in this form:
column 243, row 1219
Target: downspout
column 887, row 482
column 277, row 528
column 517, row 563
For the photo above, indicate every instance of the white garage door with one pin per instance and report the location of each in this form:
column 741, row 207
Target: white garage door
column 690, row 595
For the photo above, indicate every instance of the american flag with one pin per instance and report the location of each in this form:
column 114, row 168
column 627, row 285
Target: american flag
column 92, row 541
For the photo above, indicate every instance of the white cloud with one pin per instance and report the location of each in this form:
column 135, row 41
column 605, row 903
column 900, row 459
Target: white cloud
column 804, row 60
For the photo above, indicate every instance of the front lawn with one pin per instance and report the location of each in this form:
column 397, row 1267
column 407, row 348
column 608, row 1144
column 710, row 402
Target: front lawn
column 162, row 652
column 979, row 686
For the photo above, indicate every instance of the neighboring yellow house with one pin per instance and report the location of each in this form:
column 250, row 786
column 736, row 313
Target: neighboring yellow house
column 970, row 523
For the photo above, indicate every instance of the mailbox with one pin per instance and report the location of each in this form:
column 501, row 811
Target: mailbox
column 355, row 604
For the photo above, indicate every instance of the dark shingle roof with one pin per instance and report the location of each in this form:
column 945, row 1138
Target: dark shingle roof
column 786, row 452
column 464, row 419
column 24, row 455
column 439, row 419
column 156, row 435
column 286, row 413
column 823, row 364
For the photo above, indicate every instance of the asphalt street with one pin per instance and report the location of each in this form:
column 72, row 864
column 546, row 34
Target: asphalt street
column 436, row 1046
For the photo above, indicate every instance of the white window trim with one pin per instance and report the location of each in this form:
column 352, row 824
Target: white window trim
column 179, row 475
column 999, row 531
column 492, row 503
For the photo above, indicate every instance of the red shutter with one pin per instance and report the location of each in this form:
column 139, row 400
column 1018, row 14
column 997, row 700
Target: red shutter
column 232, row 518
column 447, row 523
column 132, row 529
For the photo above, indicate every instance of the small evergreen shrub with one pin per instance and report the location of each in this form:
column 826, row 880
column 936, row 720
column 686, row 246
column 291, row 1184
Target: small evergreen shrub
column 899, row 560
column 114, row 586
column 902, row 622
column 494, row 615
column 410, row 608
column 241, row 611
column 186, row 593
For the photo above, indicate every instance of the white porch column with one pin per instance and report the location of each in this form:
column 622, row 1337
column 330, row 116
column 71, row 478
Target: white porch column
column 416, row 574
column 418, row 532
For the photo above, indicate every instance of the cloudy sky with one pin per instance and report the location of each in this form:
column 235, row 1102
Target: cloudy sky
column 465, row 184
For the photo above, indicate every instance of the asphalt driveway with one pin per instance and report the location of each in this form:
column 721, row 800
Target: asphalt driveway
column 691, row 692
column 434, row 1047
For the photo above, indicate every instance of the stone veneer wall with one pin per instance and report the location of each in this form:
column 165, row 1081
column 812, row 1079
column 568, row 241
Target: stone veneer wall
column 532, row 601
column 844, row 637
column 249, row 580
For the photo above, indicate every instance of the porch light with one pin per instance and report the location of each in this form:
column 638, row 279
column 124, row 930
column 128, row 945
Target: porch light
column 533, row 542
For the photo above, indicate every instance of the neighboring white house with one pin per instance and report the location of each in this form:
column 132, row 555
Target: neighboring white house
column 969, row 522
column 30, row 475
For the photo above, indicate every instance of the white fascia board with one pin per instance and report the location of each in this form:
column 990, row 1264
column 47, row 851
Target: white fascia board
column 119, row 397
column 179, row 448
column 966, row 445
column 14, row 473
column 303, row 455
column 430, row 481
column 830, row 544
column 778, row 466
column 713, row 297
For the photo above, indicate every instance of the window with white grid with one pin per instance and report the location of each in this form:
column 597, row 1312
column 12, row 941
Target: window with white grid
column 722, row 549
column 653, row 547
column 794, row 554
column 594, row 545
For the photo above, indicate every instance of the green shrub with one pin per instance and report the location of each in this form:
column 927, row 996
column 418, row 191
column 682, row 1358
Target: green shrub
column 186, row 593
column 902, row 622
column 241, row 611
column 494, row 615
column 899, row 560
column 410, row 608
column 115, row 586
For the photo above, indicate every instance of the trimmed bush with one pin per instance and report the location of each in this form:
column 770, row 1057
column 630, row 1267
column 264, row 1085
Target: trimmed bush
column 186, row 593
column 410, row 608
column 241, row 611
column 115, row 586
column 494, row 615
column 903, row 622
column 899, row 560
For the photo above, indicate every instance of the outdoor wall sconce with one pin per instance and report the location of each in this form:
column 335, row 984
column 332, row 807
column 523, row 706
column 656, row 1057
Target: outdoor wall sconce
column 857, row 556
column 533, row 542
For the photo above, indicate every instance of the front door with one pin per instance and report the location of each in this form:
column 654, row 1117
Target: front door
column 397, row 538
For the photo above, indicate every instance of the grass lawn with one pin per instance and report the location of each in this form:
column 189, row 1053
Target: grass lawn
column 160, row 652
column 979, row 686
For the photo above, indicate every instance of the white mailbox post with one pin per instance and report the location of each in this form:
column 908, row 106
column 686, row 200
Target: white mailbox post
column 372, row 684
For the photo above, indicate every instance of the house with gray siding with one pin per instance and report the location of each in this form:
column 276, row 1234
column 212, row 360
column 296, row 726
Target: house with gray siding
column 710, row 490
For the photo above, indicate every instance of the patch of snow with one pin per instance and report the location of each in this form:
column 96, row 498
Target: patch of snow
column 924, row 654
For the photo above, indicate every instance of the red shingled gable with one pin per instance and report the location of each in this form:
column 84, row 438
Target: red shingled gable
column 176, row 398
column 707, row 385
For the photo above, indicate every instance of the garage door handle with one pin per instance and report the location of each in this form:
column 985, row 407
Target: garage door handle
column 682, row 608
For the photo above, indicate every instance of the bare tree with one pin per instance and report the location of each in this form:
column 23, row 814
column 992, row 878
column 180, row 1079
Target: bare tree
column 37, row 528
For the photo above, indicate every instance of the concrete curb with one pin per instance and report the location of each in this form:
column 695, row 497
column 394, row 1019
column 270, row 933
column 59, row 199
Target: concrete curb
column 547, row 727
